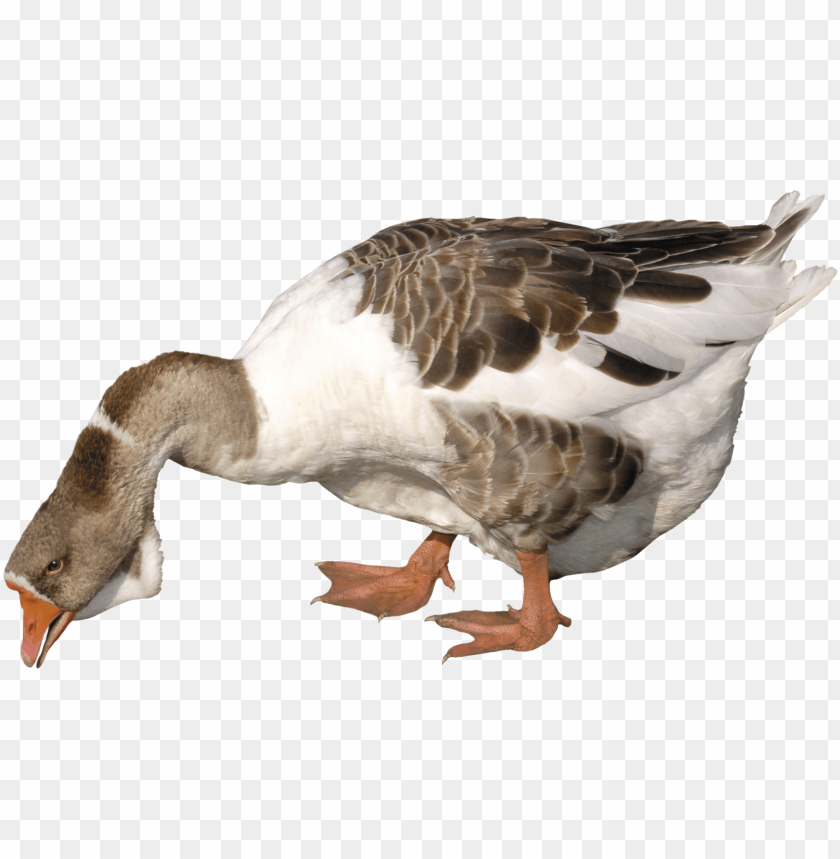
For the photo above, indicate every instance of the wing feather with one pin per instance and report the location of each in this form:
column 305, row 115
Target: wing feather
column 636, row 302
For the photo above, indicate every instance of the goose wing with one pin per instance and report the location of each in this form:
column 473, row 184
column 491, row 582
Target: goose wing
column 581, row 320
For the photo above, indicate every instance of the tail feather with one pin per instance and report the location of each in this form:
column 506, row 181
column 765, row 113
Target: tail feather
column 806, row 285
column 750, row 296
column 782, row 209
column 786, row 217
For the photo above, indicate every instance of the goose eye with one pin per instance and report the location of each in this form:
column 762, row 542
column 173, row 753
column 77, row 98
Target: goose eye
column 54, row 567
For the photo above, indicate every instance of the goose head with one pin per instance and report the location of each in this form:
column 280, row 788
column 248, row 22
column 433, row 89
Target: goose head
column 91, row 545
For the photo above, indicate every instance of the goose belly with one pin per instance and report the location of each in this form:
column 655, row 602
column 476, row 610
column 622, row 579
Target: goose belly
column 406, row 495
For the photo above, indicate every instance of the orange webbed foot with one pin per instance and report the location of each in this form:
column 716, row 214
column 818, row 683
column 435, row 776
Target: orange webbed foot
column 515, row 629
column 390, row 591
column 498, row 630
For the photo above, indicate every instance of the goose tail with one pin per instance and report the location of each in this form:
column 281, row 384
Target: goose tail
column 806, row 285
column 787, row 216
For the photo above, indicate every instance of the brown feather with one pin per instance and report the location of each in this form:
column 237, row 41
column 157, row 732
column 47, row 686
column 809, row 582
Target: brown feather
column 632, row 372
column 475, row 351
column 89, row 468
column 669, row 287
column 600, row 323
column 529, row 477
column 475, row 292
column 567, row 341
column 517, row 342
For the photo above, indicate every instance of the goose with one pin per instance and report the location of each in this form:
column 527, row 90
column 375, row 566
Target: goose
column 558, row 394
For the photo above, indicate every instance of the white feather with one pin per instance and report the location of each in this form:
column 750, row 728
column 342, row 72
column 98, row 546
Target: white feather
column 782, row 208
column 806, row 285
column 588, row 352
column 122, row 587
column 341, row 403
column 653, row 335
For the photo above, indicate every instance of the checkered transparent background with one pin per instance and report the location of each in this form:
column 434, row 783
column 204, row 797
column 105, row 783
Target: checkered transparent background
column 165, row 170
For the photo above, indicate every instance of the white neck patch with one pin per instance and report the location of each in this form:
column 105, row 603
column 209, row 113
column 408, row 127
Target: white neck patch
column 102, row 421
column 141, row 580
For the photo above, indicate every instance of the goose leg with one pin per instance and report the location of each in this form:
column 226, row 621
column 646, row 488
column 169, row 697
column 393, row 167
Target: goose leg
column 390, row 591
column 515, row 629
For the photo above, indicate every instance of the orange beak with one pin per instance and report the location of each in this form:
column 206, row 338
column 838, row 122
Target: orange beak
column 38, row 617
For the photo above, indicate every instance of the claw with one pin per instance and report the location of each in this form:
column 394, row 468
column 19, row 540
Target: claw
column 446, row 578
column 317, row 599
column 384, row 614
column 443, row 661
